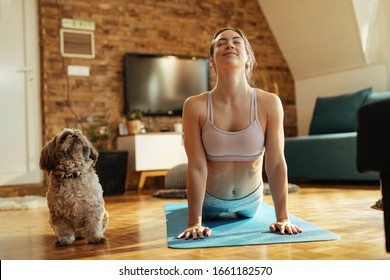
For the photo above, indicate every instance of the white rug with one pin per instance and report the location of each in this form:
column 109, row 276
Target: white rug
column 22, row 202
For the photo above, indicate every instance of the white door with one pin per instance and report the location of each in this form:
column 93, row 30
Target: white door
column 20, row 115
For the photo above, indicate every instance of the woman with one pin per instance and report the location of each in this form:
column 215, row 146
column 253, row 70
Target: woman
column 227, row 133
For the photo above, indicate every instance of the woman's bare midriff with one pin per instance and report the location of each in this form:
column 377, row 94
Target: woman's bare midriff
column 233, row 180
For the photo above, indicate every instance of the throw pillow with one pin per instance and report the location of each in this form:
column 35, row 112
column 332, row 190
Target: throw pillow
column 337, row 114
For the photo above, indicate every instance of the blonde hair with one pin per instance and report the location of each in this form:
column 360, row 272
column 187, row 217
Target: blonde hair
column 248, row 48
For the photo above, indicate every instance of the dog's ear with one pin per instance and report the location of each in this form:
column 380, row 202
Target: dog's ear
column 93, row 154
column 47, row 161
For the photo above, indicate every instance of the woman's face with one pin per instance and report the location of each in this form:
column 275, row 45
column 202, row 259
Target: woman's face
column 229, row 49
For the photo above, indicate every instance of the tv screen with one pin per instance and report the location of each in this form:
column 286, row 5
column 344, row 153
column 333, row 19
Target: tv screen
column 159, row 85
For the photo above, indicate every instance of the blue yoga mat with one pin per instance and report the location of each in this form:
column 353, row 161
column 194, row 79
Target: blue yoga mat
column 239, row 231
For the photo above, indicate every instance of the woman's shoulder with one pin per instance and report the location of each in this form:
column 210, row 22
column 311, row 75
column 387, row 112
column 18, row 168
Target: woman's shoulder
column 196, row 104
column 268, row 97
column 268, row 102
column 196, row 100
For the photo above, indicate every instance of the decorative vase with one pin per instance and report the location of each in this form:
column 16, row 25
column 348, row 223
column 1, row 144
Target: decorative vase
column 134, row 126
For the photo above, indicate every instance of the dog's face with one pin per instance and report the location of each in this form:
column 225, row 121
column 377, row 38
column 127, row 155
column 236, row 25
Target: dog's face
column 67, row 152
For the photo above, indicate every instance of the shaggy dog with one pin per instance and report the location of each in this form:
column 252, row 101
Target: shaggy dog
column 74, row 196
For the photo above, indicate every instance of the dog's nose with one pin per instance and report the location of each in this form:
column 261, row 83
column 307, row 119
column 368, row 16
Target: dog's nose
column 74, row 136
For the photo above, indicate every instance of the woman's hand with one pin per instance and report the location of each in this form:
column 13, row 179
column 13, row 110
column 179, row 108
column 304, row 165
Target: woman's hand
column 285, row 226
column 195, row 231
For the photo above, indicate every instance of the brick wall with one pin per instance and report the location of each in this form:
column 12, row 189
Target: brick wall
column 182, row 27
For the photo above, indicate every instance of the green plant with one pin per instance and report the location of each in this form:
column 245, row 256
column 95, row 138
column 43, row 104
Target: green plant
column 134, row 115
column 99, row 133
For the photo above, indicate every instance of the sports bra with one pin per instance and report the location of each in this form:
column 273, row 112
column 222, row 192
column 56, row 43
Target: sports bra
column 243, row 145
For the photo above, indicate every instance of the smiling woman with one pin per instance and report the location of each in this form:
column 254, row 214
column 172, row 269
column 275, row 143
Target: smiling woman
column 238, row 40
column 228, row 132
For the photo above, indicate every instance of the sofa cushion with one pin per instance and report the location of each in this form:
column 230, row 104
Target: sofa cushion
column 337, row 114
column 377, row 96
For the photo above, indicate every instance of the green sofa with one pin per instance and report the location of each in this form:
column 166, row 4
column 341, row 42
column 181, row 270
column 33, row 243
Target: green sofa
column 328, row 153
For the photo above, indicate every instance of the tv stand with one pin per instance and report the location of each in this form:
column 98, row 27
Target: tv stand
column 153, row 154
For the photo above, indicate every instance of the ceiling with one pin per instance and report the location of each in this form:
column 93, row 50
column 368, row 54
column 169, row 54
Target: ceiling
column 318, row 37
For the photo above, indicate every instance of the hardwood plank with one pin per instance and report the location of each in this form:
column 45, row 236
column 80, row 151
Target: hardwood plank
column 137, row 230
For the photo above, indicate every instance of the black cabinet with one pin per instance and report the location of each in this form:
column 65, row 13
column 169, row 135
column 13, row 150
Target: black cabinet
column 111, row 167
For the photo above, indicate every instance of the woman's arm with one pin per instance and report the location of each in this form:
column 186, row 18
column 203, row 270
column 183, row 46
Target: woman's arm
column 197, row 168
column 275, row 165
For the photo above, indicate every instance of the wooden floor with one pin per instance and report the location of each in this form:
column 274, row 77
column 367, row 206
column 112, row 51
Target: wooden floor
column 137, row 230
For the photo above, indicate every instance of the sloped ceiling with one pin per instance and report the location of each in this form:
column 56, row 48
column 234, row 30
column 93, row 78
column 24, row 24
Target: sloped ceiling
column 316, row 36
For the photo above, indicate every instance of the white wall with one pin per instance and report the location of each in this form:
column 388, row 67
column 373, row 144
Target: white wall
column 322, row 44
column 307, row 90
column 375, row 73
column 316, row 37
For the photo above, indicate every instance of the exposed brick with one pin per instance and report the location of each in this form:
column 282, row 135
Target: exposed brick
column 181, row 27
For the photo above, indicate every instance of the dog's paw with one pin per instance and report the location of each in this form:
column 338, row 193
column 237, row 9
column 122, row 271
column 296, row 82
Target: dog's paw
column 61, row 242
column 97, row 240
column 79, row 237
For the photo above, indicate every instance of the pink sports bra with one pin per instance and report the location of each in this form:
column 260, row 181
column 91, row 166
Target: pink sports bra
column 243, row 145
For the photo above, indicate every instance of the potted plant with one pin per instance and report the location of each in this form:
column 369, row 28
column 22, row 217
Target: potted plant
column 134, row 122
column 98, row 133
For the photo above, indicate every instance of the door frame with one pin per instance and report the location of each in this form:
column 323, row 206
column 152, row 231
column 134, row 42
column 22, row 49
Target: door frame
column 33, row 90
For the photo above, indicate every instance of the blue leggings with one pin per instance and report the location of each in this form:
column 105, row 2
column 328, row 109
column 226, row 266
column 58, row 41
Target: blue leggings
column 247, row 206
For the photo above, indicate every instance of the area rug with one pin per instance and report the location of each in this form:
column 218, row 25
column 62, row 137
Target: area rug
column 22, row 202
column 239, row 231
column 182, row 193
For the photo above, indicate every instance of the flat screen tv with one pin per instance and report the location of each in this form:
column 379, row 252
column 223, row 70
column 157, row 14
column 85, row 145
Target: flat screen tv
column 159, row 84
